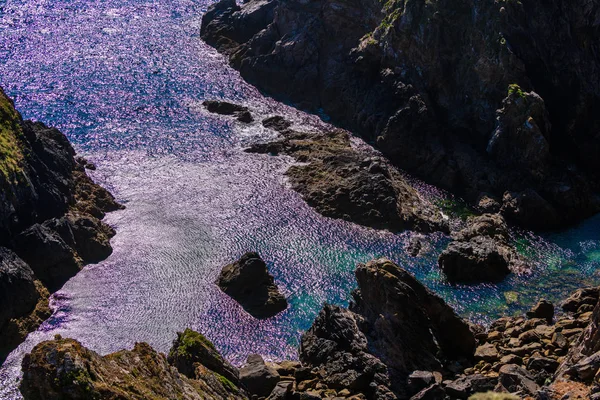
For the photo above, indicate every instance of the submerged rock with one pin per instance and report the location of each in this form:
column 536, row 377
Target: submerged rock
column 248, row 282
column 64, row 369
column 224, row 108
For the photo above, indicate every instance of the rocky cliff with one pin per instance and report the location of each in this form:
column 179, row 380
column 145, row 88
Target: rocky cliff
column 50, row 221
column 489, row 99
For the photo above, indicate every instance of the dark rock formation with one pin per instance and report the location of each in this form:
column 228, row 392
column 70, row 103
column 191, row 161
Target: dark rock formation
column 473, row 97
column 248, row 282
column 50, row 213
column 543, row 309
column 394, row 327
column 64, row 369
column 480, row 252
column 191, row 349
column 224, row 108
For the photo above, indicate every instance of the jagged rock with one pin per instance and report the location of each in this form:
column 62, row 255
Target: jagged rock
column 51, row 259
column 487, row 352
column 480, row 252
column 18, row 294
column 519, row 140
column 394, row 327
column 64, row 369
column 192, row 348
column 419, row 380
column 516, row 379
column 222, row 107
column 424, row 82
column 248, row 281
column 584, row 296
column 463, row 387
column 539, row 363
column 433, row 392
column 543, row 309
column 282, row 391
column 336, row 344
column 259, row 378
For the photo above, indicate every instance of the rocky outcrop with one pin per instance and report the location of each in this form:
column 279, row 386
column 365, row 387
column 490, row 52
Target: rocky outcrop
column 476, row 97
column 64, row 369
column 249, row 282
column 394, row 327
column 191, row 349
column 257, row 377
column 50, row 220
column 342, row 181
column 481, row 252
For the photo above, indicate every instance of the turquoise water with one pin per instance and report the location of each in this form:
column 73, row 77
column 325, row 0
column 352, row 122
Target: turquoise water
column 125, row 80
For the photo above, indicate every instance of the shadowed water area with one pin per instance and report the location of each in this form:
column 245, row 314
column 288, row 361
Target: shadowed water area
column 125, row 81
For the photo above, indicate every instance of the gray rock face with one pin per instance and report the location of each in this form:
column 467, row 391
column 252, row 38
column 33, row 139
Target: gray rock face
column 257, row 377
column 516, row 379
column 248, row 281
column 18, row 294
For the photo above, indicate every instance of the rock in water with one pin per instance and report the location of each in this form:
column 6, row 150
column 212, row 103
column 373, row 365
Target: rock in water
column 248, row 282
column 480, row 252
column 64, row 369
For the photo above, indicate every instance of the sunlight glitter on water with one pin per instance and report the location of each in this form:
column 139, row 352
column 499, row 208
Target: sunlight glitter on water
column 124, row 80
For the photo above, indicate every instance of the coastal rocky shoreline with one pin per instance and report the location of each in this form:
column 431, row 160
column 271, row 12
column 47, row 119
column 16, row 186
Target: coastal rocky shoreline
column 396, row 340
column 480, row 99
column 50, row 221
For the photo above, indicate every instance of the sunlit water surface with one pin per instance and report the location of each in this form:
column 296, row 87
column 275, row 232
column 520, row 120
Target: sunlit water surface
column 124, row 80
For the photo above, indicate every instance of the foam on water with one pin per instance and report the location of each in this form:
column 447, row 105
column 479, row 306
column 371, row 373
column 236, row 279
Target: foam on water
column 124, row 79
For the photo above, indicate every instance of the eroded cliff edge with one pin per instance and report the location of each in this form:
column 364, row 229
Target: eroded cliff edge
column 50, row 221
column 493, row 100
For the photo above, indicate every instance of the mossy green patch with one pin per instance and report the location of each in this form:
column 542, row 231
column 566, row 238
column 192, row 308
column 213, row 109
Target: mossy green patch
column 516, row 89
column 455, row 208
column 190, row 341
column 11, row 155
column 230, row 386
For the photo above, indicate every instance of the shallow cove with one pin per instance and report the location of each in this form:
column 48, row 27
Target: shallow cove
column 124, row 80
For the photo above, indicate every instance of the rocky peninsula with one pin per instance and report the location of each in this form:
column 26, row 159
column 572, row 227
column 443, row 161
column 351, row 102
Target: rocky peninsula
column 498, row 102
column 50, row 221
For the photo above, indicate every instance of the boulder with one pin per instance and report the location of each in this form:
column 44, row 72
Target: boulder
column 480, row 252
column 543, row 309
column 257, row 377
column 478, row 260
column 516, row 379
column 248, row 282
column 192, row 348
column 464, row 386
